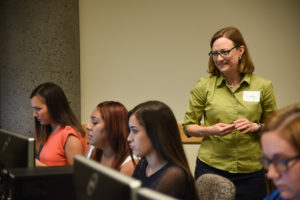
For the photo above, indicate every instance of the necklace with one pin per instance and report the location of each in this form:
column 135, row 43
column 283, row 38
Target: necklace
column 231, row 85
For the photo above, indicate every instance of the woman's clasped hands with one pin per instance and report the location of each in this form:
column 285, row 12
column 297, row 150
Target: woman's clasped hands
column 243, row 125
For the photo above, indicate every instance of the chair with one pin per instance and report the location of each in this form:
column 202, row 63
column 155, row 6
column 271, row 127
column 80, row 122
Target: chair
column 215, row 187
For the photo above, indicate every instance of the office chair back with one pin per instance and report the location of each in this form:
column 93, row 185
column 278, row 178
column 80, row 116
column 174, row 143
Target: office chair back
column 215, row 187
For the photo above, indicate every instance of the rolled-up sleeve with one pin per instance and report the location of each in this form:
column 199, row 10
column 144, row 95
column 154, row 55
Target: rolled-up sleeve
column 196, row 105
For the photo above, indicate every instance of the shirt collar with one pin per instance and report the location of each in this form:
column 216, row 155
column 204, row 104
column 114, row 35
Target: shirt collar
column 221, row 79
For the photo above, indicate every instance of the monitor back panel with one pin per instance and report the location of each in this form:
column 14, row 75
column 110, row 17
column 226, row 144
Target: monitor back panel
column 95, row 181
column 16, row 150
column 47, row 183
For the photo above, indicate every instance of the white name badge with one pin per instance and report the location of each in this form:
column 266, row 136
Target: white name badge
column 251, row 96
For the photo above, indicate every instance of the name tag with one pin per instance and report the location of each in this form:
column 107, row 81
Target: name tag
column 251, row 96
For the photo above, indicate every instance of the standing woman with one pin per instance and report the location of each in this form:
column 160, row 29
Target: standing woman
column 233, row 102
column 59, row 135
column 281, row 146
column 155, row 137
column 108, row 133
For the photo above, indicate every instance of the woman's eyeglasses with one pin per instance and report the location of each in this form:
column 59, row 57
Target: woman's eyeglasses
column 223, row 53
column 280, row 164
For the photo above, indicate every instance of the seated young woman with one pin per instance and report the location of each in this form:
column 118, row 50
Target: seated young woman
column 59, row 135
column 107, row 133
column 281, row 147
column 155, row 137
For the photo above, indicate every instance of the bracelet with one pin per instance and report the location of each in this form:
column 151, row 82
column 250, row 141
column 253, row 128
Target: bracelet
column 200, row 130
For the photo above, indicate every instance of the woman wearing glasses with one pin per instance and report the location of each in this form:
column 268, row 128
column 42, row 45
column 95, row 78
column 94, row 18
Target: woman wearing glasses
column 281, row 147
column 233, row 103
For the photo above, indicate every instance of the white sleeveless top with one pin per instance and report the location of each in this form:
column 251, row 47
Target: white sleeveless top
column 124, row 162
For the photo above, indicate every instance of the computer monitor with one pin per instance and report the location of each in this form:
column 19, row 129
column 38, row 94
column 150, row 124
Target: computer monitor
column 46, row 183
column 93, row 180
column 16, row 150
column 148, row 194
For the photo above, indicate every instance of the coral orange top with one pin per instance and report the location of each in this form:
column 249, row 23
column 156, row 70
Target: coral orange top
column 53, row 152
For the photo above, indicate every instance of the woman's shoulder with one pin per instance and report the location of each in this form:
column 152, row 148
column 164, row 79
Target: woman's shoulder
column 260, row 79
column 127, row 167
column 207, row 80
column 174, row 169
column 204, row 83
column 175, row 182
column 69, row 130
column 259, row 83
column 127, row 160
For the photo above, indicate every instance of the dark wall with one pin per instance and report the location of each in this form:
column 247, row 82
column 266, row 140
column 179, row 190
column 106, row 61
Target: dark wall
column 39, row 42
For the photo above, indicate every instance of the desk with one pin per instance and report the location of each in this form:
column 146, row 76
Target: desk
column 188, row 140
column 191, row 146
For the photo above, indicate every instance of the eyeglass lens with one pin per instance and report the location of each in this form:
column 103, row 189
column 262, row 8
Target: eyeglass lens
column 280, row 164
column 222, row 53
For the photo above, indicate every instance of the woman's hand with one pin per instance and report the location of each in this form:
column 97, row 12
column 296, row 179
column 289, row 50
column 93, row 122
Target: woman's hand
column 38, row 163
column 220, row 129
column 245, row 126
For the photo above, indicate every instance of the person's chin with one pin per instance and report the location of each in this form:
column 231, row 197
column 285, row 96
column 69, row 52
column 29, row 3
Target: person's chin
column 285, row 193
column 223, row 69
column 136, row 153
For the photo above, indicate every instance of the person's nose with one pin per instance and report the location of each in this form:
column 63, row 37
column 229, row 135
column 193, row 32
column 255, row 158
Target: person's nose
column 129, row 138
column 35, row 114
column 272, row 172
column 89, row 127
column 219, row 57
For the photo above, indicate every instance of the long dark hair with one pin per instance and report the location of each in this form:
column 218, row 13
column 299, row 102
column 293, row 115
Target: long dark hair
column 59, row 110
column 162, row 129
column 114, row 114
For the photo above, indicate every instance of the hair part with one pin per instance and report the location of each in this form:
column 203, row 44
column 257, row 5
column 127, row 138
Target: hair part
column 233, row 34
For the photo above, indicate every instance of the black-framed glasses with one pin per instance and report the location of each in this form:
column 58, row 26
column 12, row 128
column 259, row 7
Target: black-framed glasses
column 280, row 164
column 223, row 53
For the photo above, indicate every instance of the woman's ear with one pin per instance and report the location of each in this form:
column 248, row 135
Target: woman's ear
column 241, row 50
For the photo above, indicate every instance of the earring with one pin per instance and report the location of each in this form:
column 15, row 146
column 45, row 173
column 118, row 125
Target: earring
column 240, row 57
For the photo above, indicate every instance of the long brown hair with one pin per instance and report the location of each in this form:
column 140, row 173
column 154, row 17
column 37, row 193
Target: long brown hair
column 286, row 122
column 233, row 34
column 162, row 129
column 114, row 114
column 59, row 110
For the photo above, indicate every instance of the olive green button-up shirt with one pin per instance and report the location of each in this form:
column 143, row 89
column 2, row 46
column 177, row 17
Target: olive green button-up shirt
column 213, row 100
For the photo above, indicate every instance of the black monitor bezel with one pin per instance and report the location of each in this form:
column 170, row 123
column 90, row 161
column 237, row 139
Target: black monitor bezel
column 86, row 170
column 8, row 145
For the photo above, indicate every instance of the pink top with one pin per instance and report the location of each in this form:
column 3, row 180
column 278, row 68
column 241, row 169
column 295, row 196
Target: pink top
column 53, row 152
